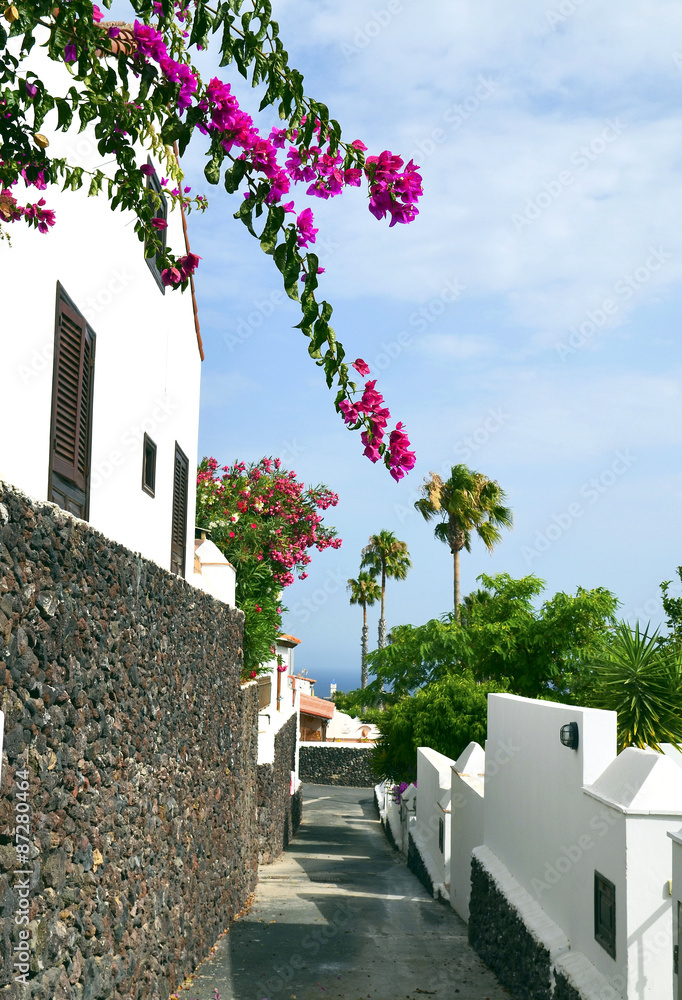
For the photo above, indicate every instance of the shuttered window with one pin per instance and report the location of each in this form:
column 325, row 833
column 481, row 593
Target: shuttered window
column 179, row 529
column 605, row 913
column 72, row 392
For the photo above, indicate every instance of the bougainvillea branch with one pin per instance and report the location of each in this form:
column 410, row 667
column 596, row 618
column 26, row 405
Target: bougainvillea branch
column 138, row 87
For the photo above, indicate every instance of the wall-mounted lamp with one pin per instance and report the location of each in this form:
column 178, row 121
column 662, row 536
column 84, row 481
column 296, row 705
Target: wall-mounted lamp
column 569, row 735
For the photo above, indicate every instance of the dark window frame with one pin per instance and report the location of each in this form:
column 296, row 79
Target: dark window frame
column 61, row 486
column 605, row 929
column 160, row 212
column 149, row 467
column 441, row 835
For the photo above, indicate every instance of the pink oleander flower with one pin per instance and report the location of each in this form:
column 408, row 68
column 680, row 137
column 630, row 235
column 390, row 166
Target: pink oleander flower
column 361, row 367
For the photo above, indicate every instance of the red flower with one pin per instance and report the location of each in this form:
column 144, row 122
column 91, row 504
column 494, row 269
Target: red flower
column 361, row 367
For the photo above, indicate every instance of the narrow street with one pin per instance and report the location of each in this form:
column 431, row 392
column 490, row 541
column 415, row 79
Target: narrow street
column 340, row 917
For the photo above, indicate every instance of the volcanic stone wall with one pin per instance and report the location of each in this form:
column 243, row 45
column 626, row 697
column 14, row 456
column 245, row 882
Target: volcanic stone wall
column 279, row 812
column 335, row 764
column 121, row 689
column 501, row 938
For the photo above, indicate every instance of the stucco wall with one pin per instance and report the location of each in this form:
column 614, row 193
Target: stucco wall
column 121, row 690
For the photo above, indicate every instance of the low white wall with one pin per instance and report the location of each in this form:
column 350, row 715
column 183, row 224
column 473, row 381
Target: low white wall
column 467, row 819
column 433, row 805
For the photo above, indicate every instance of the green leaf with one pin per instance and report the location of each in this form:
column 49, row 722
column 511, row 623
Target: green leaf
column 212, row 169
column 268, row 239
column 172, row 129
column 234, row 175
column 64, row 114
column 245, row 213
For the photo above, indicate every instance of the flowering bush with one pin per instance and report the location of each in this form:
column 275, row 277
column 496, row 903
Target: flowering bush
column 264, row 521
column 140, row 88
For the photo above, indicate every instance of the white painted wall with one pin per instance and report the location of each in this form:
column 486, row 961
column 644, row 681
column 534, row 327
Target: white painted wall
column 676, row 838
column 218, row 576
column 147, row 364
column 433, row 804
column 467, row 819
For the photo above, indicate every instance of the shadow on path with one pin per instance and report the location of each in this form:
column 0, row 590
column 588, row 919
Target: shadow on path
column 340, row 917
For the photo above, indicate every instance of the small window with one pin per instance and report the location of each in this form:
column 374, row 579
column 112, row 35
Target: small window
column 149, row 466
column 605, row 913
column 160, row 206
column 441, row 835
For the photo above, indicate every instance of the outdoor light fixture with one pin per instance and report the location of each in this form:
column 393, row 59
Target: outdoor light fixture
column 569, row 735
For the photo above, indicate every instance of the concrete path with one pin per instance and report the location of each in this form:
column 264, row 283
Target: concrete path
column 340, row 917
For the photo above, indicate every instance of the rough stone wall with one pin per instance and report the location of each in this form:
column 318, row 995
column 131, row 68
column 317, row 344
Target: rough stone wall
column 499, row 935
column 331, row 764
column 121, row 689
column 415, row 863
column 279, row 812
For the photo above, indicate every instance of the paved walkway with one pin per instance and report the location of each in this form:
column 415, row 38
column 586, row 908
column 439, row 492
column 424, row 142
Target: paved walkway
column 340, row 917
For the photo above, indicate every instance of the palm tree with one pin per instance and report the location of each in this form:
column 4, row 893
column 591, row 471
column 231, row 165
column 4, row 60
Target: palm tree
column 364, row 591
column 387, row 555
column 642, row 681
column 467, row 502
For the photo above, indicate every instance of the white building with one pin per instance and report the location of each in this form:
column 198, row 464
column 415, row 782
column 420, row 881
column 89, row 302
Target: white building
column 100, row 364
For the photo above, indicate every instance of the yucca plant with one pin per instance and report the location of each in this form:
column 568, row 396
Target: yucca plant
column 642, row 681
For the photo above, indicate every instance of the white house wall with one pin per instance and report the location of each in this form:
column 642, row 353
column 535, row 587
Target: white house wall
column 147, row 363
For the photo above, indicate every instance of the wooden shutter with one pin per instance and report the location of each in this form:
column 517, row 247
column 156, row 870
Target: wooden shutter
column 605, row 913
column 72, row 390
column 179, row 526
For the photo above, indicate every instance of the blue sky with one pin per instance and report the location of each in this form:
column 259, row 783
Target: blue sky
column 550, row 140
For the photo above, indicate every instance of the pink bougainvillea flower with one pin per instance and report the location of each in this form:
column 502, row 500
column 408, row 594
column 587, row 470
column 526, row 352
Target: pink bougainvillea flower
column 361, row 367
column 159, row 224
column 70, row 53
column 31, row 89
column 171, row 276
column 97, row 14
column 306, row 233
column 113, row 31
column 147, row 169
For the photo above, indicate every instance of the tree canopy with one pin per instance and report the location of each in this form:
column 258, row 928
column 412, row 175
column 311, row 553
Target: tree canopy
column 502, row 636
